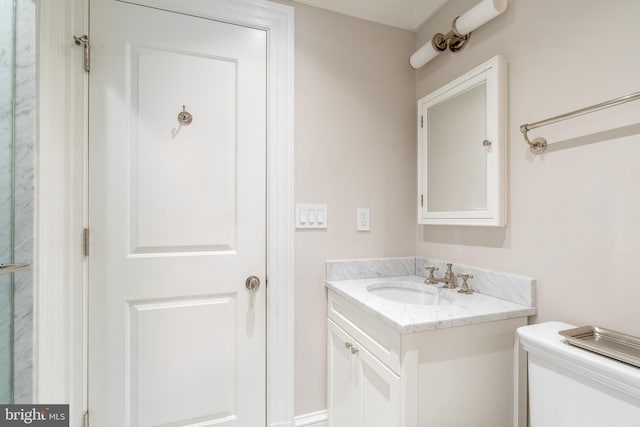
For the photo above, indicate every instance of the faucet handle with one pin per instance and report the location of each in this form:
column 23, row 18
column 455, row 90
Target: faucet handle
column 431, row 280
column 465, row 286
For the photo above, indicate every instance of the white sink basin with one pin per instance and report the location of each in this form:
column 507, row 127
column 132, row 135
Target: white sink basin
column 409, row 293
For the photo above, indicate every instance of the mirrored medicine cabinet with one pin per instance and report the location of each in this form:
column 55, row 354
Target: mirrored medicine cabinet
column 462, row 149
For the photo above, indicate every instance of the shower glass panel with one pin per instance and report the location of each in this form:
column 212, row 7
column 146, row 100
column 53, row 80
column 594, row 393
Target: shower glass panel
column 7, row 67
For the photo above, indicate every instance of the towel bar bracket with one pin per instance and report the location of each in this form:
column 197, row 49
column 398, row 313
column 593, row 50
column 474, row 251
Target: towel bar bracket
column 538, row 145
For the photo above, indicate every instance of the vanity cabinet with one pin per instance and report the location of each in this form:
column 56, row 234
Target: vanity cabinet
column 382, row 377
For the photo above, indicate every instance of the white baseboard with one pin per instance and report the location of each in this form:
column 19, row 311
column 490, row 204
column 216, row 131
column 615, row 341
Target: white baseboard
column 314, row 419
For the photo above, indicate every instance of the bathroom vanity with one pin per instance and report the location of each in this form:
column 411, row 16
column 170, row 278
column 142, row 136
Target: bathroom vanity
column 407, row 354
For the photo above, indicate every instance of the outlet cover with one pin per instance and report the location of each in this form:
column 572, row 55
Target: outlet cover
column 363, row 219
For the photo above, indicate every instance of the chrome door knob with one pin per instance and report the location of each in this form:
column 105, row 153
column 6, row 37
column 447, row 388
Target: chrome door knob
column 252, row 283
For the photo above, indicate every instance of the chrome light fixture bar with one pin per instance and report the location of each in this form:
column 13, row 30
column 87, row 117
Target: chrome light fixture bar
column 456, row 39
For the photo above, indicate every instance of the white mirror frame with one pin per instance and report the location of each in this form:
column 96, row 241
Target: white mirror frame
column 493, row 73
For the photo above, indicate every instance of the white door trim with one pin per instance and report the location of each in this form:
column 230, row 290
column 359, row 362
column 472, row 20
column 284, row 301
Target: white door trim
column 60, row 288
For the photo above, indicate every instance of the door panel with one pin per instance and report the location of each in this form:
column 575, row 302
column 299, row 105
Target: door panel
column 177, row 217
column 164, row 340
column 197, row 157
column 172, row 162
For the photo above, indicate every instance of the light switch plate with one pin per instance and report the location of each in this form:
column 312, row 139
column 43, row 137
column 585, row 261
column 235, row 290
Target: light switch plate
column 311, row 216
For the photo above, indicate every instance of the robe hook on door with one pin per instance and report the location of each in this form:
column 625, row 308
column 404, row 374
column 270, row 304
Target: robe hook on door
column 184, row 117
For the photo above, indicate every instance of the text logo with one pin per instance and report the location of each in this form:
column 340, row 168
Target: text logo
column 34, row 415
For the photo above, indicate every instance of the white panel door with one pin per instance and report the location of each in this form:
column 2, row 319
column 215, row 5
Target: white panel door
column 177, row 218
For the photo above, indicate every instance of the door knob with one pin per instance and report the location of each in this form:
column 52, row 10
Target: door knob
column 252, row 283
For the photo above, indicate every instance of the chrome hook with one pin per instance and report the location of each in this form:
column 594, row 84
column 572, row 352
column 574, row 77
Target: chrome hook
column 185, row 118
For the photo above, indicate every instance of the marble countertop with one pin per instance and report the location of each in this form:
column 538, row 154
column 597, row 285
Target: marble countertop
column 458, row 310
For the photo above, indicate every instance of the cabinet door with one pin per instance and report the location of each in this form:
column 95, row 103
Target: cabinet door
column 378, row 392
column 362, row 391
column 342, row 378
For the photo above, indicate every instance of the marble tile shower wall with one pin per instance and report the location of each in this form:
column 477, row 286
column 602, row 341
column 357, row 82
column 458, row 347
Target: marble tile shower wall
column 24, row 197
column 6, row 199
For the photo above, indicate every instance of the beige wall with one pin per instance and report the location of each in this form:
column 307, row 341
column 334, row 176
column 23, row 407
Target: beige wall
column 574, row 214
column 354, row 147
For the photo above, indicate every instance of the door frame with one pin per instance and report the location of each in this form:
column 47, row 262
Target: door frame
column 60, row 289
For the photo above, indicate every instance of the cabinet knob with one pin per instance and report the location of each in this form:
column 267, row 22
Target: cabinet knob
column 350, row 346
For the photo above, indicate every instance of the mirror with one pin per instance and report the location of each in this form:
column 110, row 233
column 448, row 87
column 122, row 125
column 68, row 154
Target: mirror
column 461, row 149
column 450, row 144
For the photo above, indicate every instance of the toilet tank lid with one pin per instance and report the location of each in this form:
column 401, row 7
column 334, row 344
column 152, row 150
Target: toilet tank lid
column 544, row 341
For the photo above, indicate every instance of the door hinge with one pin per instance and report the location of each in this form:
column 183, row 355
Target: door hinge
column 85, row 419
column 84, row 42
column 421, row 122
column 422, row 200
column 85, row 242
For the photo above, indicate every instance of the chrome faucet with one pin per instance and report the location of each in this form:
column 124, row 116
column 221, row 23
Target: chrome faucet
column 448, row 279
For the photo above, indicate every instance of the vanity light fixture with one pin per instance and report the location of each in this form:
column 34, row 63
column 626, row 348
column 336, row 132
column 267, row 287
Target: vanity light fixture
column 461, row 29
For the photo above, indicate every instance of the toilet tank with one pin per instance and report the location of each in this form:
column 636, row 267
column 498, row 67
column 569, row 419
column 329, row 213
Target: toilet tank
column 572, row 387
